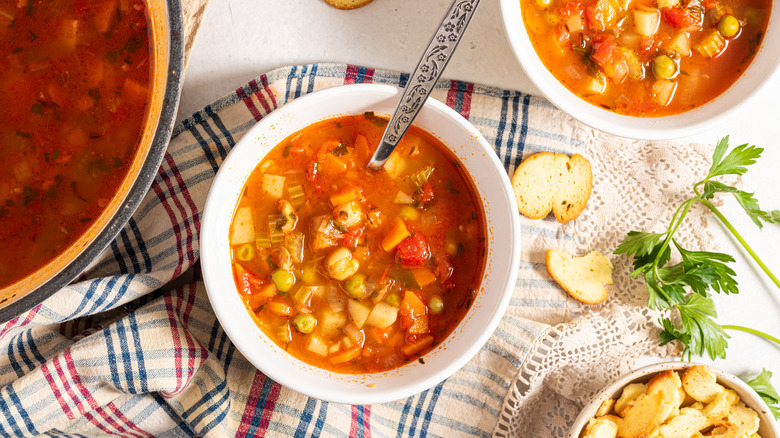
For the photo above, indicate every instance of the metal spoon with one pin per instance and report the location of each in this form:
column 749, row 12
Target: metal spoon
column 424, row 77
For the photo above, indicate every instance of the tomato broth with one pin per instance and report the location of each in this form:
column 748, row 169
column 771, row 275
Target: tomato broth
column 353, row 270
column 74, row 77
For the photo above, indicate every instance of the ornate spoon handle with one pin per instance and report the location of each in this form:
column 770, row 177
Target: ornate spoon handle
column 424, row 77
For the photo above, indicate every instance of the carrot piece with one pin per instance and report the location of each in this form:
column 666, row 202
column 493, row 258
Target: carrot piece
column 414, row 314
column 418, row 345
column 346, row 356
column 395, row 234
column 349, row 194
column 423, row 277
column 279, row 309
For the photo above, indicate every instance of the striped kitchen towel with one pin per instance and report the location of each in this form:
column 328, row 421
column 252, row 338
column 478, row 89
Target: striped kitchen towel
column 111, row 354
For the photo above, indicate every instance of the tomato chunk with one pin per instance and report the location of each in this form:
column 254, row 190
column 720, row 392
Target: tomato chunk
column 413, row 251
column 604, row 49
column 248, row 283
column 679, row 17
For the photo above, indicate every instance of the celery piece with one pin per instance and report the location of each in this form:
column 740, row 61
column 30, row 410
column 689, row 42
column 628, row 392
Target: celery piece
column 711, row 44
column 275, row 229
column 297, row 196
column 421, row 176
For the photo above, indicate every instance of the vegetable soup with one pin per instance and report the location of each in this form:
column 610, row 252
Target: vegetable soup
column 646, row 57
column 353, row 270
column 73, row 91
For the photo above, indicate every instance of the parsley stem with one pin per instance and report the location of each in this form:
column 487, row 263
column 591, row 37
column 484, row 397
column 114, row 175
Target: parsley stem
column 753, row 331
column 677, row 220
column 742, row 241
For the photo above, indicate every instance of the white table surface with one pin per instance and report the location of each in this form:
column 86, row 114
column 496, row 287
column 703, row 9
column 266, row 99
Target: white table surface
column 241, row 39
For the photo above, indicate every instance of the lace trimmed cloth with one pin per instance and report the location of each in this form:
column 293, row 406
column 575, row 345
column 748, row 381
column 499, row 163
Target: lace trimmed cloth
column 113, row 355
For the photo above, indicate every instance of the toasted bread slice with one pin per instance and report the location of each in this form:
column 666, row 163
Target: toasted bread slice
column 700, row 383
column 547, row 182
column 348, row 4
column 582, row 277
column 600, row 428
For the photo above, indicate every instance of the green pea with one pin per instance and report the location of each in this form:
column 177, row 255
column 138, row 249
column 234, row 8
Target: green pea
column 664, row 67
column 393, row 299
column 283, row 280
column 435, row 305
column 356, row 286
column 728, row 26
column 245, row 252
column 305, row 322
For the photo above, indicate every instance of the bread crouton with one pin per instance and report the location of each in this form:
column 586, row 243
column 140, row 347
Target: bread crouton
column 689, row 422
column 627, row 397
column 647, row 413
column 348, row 4
column 606, row 407
column 600, row 428
column 743, row 419
column 547, row 182
column 581, row 277
column 700, row 383
column 722, row 404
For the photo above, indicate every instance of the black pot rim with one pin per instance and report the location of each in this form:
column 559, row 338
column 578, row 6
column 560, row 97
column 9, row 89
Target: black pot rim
column 140, row 186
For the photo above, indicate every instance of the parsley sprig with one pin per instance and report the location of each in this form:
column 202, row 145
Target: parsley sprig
column 767, row 392
column 686, row 286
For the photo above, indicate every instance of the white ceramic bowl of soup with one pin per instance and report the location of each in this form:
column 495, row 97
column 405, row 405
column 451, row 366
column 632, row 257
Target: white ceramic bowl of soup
column 767, row 429
column 761, row 71
column 495, row 290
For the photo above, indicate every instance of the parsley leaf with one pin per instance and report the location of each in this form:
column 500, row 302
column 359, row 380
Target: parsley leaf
column 735, row 162
column 686, row 286
column 763, row 386
column 639, row 244
column 699, row 333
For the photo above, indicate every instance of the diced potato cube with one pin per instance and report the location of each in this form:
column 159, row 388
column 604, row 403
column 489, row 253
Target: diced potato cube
column 317, row 345
column 383, row 315
column 243, row 230
column 273, row 185
column 662, row 91
column 395, row 165
column 647, row 21
column 595, row 85
column 330, row 322
column 358, row 313
column 403, row 198
column 680, row 44
column 667, row 3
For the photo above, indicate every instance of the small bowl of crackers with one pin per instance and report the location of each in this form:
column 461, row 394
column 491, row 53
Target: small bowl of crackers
column 676, row 399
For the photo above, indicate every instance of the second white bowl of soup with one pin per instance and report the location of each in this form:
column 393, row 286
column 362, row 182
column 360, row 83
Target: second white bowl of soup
column 351, row 285
column 646, row 69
